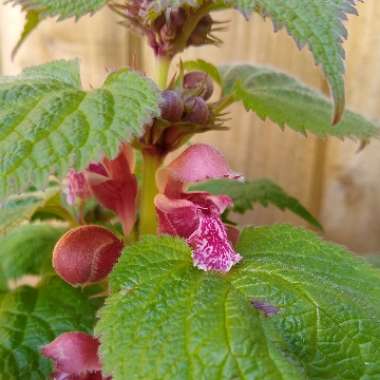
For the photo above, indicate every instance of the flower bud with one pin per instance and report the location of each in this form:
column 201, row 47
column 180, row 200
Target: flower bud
column 197, row 111
column 172, row 106
column 75, row 356
column 86, row 254
column 199, row 82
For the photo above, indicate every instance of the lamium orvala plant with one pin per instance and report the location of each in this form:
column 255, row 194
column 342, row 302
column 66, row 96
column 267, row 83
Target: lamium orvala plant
column 134, row 264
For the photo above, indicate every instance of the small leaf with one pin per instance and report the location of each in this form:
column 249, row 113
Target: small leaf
column 47, row 123
column 206, row 67
column 263, row 191
column 33, row 317
column 28, row 250
column 167, row 320
column 317, row 24
column 284, row 100
column 20, row 208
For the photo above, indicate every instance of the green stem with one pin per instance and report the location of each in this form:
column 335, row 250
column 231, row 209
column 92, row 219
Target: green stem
column 148, row 219
column 162, row 71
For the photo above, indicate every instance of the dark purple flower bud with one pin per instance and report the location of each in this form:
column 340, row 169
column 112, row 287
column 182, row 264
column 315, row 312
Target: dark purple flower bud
column 168, row 32
column 197, row 111
column 172, row 107
column 200, row 82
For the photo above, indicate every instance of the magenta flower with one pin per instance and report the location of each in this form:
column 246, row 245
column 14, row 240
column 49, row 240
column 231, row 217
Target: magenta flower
column 114, row 185
column 75, row 357
column 77, row 187
column 111, row 182
column 195, row 216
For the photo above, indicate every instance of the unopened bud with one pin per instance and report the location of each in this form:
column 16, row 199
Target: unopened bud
column 199, row 82
column 75, row 356
column 86, row 254
column 172, row 106
column 197, row 111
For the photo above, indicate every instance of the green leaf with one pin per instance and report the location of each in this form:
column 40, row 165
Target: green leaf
column 33, row 317
column 28, row 250
column 263, row 191
column 167, row 320
column 18, row 209
column 32, row 20
column 284, row 100
column 317, row 24
column 206, row 67
column 47, row 123
column 61, row 9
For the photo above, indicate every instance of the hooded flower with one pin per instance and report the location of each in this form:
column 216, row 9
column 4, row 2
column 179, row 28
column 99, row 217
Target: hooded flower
column 195, row 216
column 112, row 183
column 75, row 357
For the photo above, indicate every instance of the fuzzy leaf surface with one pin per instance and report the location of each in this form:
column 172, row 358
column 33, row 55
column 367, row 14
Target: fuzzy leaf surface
column 282, row 99
column 28, row 250
column 169, row 320
column 49, row 124
column 20, row 208
column 32, row 317
column 263, row 191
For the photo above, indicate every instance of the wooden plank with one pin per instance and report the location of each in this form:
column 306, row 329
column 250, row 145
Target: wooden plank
column 99, row 43
column 351, row 204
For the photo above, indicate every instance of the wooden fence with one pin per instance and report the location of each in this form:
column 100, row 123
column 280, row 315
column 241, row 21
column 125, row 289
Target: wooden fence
column 339, row 185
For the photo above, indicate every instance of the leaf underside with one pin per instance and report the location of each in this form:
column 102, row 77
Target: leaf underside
column 49, row 124
column 263, row 191
column 33, row 317
column 282, row 99
column 167, row 320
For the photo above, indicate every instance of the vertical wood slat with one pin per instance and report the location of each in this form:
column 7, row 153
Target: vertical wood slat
column 351, row 204
column 99, row 43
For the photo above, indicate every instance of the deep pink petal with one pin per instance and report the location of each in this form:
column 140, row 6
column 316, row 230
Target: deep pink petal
column 117, row 190
column 73, row 353
column 177, row 217
column 212, row 250
column 77, row 187
column 233, row 234
column 214, row 203
column 198, row 163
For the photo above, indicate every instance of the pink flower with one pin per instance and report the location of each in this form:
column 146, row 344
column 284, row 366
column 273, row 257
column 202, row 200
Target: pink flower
column 75, row 356
column 195, row 216
column 114, row 185
column 111, row 182
column 77, row 187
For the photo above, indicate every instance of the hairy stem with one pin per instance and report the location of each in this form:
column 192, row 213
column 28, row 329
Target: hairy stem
column 148, row 219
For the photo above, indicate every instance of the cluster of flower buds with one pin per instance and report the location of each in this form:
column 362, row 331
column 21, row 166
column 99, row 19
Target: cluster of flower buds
column 75, row 357
column 163, row 32
column 184, row 112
